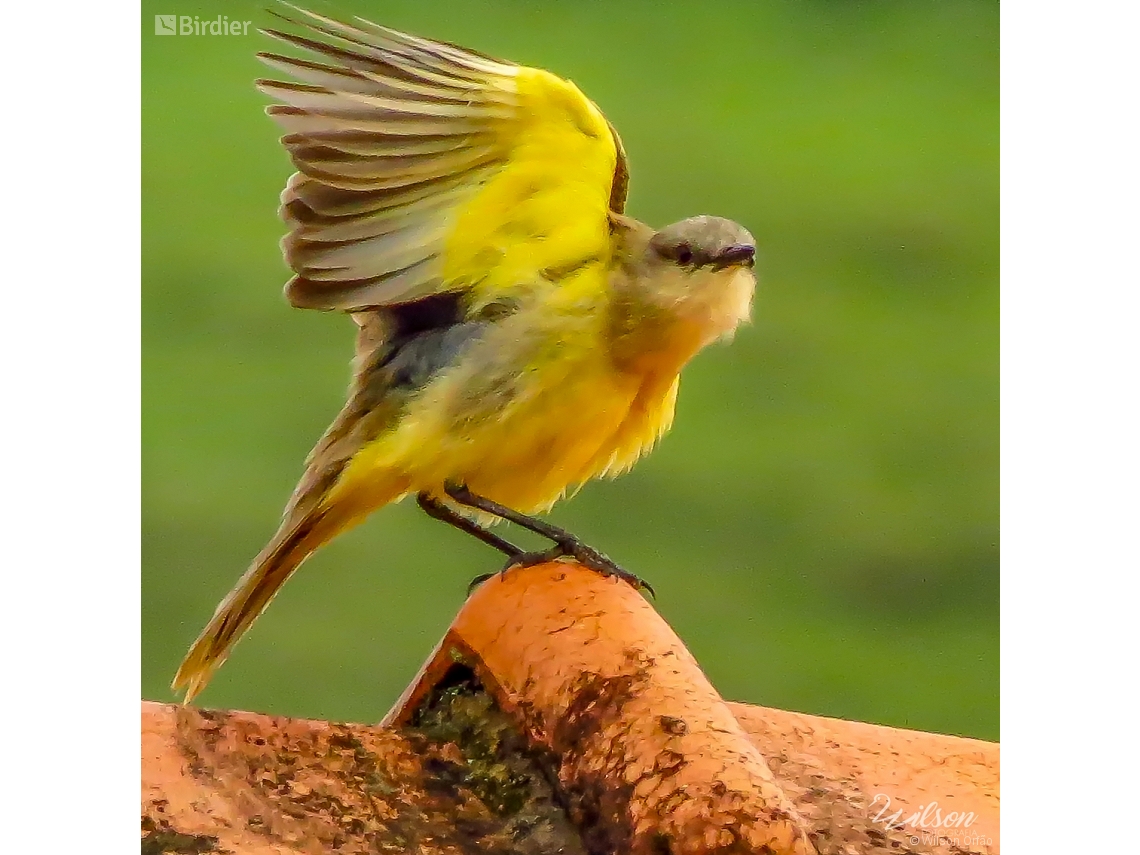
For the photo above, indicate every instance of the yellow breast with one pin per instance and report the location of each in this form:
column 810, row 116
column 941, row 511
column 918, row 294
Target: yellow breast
column 537, row 407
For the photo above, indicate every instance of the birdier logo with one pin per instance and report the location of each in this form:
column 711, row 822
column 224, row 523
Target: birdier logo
column 192, row 25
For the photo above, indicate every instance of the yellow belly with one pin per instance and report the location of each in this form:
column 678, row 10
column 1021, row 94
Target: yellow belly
column 533, row 411
column 545, row 449
column 527, row 446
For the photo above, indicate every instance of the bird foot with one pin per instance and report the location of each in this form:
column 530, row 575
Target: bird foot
column 585, row 555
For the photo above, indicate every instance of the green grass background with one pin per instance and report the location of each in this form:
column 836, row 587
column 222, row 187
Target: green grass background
column 822, row 523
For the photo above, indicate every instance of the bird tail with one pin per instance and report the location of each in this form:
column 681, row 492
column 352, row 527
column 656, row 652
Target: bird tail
column 295, row 541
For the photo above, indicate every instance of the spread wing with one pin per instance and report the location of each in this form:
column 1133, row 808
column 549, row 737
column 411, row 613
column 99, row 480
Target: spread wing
column 425, row 168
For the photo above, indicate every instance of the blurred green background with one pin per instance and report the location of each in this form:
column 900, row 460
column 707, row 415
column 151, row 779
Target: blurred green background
column 822, row 523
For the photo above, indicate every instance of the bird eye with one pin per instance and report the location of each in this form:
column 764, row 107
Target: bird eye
column 683, row 254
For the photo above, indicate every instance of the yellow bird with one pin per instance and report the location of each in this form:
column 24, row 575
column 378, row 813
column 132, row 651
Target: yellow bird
column 519, row 335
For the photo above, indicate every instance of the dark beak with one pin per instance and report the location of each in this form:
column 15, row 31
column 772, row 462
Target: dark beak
column 739, row 253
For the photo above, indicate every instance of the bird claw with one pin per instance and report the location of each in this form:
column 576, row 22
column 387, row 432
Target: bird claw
column 585, row 555
column 477, row 581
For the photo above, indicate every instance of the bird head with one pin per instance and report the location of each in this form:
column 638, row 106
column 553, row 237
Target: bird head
column 704, row 267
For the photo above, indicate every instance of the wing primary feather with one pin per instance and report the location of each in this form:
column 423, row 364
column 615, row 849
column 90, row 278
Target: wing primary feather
column 372, row 256
column 327, row 77
column 431, row 164
column 367, row 77
column 339, row 213
column 317, row 99
column 388, row 52
column 390, row 182
column 442, row 56
column 450, row 54
column 297, row 120
column 399, row 286
column 383, row 222
column 400, row 74
column 391, row 171
column 367, row 144
column 336, row 202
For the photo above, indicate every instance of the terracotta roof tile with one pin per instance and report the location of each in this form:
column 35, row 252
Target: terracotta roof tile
column 560, row 713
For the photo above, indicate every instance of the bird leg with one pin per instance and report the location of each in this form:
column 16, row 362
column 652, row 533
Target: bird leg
column 438, row 510
column 566, row 545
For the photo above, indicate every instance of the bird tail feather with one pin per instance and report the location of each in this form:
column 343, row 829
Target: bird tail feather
column 295, row 541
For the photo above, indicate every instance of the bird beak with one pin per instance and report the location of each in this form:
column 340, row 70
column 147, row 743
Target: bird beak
column 739, row 253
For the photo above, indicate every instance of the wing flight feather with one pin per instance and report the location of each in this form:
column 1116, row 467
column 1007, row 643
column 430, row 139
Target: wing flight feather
column 425, row 168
